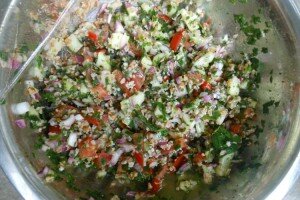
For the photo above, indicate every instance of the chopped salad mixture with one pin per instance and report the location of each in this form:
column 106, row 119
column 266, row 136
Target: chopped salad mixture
column 141, row 91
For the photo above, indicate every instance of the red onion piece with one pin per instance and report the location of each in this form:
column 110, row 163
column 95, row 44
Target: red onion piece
column 178, row 80
column 79, row 59
column 37, row 96
column 127, row 147
column 43, row 172
column 107, row 98
column 21, row 123
column 119, row 27
column 14, row 63
column 109, row 18
column 103, row 7
column 207, row 98
column 52, row 144
column 131, row 193
column 115, row 157
column 138, row 168
column 152, row 70
column 71, row 160
column 184, row 167
column 128, row 5
column 179, row 106
column 62, row 148
column 171, row 66
column 162, row 143
column 121, row 140
column 56, row 82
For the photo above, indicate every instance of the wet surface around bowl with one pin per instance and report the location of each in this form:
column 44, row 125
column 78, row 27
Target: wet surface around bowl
column 7, row 191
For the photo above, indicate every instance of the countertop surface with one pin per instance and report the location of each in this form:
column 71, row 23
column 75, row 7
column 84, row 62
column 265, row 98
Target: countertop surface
column 8, row 192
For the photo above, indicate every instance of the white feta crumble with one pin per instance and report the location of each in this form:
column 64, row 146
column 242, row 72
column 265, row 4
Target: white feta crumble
column 115, row 198
column 54, row 46
column 186, row 185
column 20, row 108
column 223, row 114
column 73, row 43
column 101, row 173
column 204, row 60
column 118, row 40
column 72, row 139
column 103, row 61
column 233, row 86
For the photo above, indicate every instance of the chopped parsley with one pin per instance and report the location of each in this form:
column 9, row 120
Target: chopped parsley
column 2, row 101
column 4, row 55
column 267, row 105
column 252, row 33
column 222, row 139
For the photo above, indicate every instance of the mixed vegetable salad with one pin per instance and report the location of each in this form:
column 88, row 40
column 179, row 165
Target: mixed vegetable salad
column 142, row 91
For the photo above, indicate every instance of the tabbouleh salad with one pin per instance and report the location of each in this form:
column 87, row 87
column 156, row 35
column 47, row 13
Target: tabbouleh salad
column 144, row 90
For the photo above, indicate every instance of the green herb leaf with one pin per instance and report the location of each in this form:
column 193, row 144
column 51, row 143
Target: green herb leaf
column 4, row 55
column 2, row 101
column 56, row 158
column 265, row 50
column 70, row 181
column 222, row 139
column 266, row 106
column 97, row 195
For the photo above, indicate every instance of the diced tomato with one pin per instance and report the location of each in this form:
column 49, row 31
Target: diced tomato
column 162, row 172
column 182, row 142
column 137, row 78
column 236, row 128
column 100, row 92
column 105, row 118
column 176, row 40
column 187, row 44
column 54, row 129
column 119, row 76
column 150, row 171
column 196, row 93
column 62, row 110
column 167, row 152
column 97, row 108
column 166, row 18
column 249, row 113
column 166, row 78
column 206, row 86
column 139, row 158
column 157, row 180
column 101, row 51
column 93, row 36
column 199, row 157
column 100, row 157
column 92, row 120
column 104, row 155
column 194, row 76
column 156, row 185
column 87, row 148
column 135, row 50
column 179, row 161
